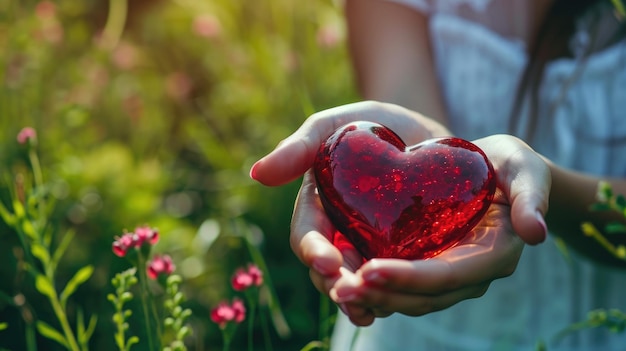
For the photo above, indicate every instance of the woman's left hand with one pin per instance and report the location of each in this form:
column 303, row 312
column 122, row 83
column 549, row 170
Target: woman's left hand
column 491, row 250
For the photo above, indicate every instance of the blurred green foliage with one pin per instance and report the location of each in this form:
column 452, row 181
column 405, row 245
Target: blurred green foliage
column 152, row 112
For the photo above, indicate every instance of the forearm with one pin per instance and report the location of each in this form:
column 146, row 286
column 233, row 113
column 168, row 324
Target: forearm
column 392, row 56
column 571, row 196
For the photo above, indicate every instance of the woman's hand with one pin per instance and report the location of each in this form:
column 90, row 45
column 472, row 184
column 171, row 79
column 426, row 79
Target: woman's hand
column 490, row 251
column 294, row 155
column 384, row 286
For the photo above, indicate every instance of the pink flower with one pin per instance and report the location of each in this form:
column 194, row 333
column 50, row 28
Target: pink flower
column 160, row 265
column 256, row 274
column 122, row 244
column 243, row 279
column 45, row 10
column 329, row 36
column 125, row 56
column 145, row 234
column 239, row 309
column 178, row 86
column 136, row 240
column 207, row 26
column 225, row 313
column 26, row 134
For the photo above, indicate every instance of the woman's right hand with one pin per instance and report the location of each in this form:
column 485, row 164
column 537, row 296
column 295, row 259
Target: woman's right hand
column 311, row 231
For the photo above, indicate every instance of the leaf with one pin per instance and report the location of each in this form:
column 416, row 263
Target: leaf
column 44, row 286
column 63, row 245
column 131, row 341
column 620, row 201
column 80, row 277
column 600, row 206
column 605, row 192
column 6, row 299
column 3, row 326
column 276, row 313
column 18, row 209
column 41, row 253
column 615, row 228
column 619, row 7
column 29, row 230
column 315, row 344
column 51, row 333
column 8, row 218
column 84, row 334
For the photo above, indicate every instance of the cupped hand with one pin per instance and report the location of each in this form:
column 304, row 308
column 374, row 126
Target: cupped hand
column 490, row 251
column 384, row 286
column 311, row 231
column 295, row 154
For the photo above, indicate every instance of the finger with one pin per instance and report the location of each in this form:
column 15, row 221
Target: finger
column 294, row 155
column 526, row 180
column 311, row 231
column 358, row 315
column 380, row 313
column 300, row 148
column 456, row 268
column 382, row 301
column 323, row 283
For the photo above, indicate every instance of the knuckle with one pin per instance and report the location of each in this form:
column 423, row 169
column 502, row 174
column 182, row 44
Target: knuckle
column 426, row 305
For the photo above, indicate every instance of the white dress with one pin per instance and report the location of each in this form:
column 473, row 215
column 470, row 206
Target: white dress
column 479, row 70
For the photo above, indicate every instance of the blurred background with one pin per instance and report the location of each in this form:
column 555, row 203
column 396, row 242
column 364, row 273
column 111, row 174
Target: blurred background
column 152, row 112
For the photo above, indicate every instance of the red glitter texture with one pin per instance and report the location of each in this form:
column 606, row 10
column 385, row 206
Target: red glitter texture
column 393, row 200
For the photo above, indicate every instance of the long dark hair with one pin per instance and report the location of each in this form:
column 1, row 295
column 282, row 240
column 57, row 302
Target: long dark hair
column 551, row 41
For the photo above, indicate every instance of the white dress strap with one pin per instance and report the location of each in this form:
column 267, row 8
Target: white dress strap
column 451, row 6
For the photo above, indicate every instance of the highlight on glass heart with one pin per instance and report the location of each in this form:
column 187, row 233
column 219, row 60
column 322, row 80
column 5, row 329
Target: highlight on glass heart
column 393, row 200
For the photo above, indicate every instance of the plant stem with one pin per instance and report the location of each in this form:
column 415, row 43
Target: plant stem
column 116, row 20
column 38, row 175
column 251, row 324
column 266, row 331
column 65, row 325
column 143, row 279
column 31, row 343
column 226, row 340
column 323, row 317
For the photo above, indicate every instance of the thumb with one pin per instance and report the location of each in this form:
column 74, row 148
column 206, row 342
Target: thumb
column 525, row 179
column 291, row 158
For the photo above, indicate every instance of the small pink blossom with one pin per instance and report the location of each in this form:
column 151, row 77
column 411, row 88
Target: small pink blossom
column 141, row 236
column 160, row 265
column 239, row 309
column 26, row 134
column 178, row 86
column 225, row 313
column 45, row 10
column 207, row 26
column 256, row 274
column 243, row 279
column 145, row 234
column 122, row 244
column 329, row 36
column 125, row 56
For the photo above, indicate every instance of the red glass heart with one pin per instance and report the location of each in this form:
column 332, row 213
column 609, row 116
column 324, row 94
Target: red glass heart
column 394, row 200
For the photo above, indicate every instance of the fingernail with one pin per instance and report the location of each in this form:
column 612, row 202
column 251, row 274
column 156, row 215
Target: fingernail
column 343, row 308
column 374, row 277
column 542, row 222
column 346, row 298
column 253, row 171
column 321, row 268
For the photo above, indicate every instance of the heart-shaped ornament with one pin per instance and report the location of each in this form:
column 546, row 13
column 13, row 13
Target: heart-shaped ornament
column 391, row 200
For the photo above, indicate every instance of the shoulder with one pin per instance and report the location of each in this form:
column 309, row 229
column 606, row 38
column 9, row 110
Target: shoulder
column 430, row 6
